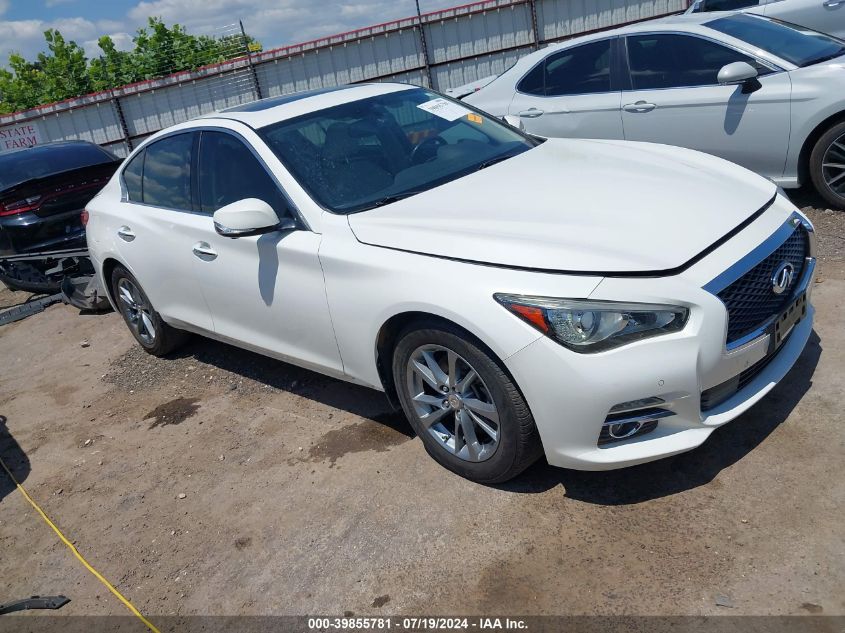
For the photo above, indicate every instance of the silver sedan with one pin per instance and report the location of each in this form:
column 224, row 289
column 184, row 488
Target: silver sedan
column 758, row 92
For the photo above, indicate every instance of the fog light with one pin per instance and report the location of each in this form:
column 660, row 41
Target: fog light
column 622, row 426
column 642, row 403
column 623, row 430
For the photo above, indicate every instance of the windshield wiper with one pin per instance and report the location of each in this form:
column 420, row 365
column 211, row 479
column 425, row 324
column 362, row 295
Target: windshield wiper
column 492, row 161
column 396, row 197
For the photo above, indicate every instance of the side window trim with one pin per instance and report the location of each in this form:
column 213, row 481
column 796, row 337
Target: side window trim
column 774, row 68
column 292, row 208
column 124, row 188
column 613, row 78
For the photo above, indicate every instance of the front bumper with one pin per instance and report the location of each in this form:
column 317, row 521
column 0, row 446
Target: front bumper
column 571, row 395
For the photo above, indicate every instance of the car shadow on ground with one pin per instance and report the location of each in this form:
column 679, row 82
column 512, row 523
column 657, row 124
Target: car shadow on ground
column 15, row 459
column 807, row 196
column 360, row 401
column 672, row 475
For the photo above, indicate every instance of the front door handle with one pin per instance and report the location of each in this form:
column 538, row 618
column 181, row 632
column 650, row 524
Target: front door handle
column 125, row 233
column 833, row 3
column 531, row 113
column 639, row 106
column 204, row 251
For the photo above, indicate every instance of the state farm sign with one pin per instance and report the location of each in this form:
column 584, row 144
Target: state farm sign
column 17, row 136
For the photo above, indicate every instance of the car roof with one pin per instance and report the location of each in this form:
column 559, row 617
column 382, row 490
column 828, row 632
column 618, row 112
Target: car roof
column 50, row 147
column 686, row 22
column 262, row 112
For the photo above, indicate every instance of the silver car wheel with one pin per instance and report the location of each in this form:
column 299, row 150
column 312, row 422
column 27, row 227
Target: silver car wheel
column 453, row 402
column 833, row 166
column 137, row 311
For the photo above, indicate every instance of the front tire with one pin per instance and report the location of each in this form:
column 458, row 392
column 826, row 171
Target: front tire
column 827, row 166
column 147, row 326
column 465, row 408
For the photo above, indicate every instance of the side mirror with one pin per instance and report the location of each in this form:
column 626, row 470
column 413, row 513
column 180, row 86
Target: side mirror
column 739, row 73
column 515, row 121
column 249, row 216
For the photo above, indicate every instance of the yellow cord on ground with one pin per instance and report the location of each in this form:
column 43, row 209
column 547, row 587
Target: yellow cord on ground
column 76, row 553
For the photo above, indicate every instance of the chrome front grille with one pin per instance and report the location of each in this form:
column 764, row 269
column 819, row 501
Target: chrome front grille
column 750, row 299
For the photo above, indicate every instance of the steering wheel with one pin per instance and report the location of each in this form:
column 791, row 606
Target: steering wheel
column 426, row 150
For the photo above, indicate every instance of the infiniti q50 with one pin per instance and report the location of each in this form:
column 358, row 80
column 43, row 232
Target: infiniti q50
column 604, row 303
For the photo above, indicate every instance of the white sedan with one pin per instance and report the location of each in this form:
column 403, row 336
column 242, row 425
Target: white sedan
column 762, row 94
column 602, row 302
column 825, row 16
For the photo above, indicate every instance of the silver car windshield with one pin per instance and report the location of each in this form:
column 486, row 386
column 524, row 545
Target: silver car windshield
column 368, row 153
column 796, row 44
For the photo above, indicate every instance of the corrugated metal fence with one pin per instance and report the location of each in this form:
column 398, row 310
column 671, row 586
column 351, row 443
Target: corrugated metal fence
column 454, row 47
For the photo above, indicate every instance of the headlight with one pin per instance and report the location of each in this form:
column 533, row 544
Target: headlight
column 594, row 326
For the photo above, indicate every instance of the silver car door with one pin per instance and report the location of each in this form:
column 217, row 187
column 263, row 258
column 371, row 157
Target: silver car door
column 674, row 98
column 571, row 93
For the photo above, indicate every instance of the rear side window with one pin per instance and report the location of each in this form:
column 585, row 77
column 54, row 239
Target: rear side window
column 579, row 70
column 132, row 175
column 166, row 178
column 229, row 171
column 678, row 61
column 533, row 82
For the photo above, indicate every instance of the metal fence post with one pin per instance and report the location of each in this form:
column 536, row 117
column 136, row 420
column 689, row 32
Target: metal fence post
column 122, row 121
column 256, row 86
column 426, row 59
column 533, row 7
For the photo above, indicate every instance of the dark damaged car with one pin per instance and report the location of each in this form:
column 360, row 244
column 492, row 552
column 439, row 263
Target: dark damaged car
column 43, row 192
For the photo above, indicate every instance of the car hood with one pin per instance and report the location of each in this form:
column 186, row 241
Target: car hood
column 576, row 205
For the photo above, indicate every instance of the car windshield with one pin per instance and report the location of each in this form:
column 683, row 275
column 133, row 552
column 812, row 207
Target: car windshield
column 371, row 152
column 796, row 44
column 36, row 162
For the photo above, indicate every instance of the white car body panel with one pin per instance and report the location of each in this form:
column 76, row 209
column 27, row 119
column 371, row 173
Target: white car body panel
column 479, row 217
column 319, row 296
column 764, row 131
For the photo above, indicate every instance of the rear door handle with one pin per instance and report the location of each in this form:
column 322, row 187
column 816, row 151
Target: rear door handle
column 531, row 113
column 639, row 106
column 125, row 233
column 204, row 251
column 833, row 3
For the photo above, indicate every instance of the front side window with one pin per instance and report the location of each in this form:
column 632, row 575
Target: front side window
column 796, row 44
column 579, row 70
column 229, row 171
column 374, row 151
column 678, row 61
column 167, row 172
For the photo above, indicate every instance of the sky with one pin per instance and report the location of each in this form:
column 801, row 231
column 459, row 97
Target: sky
column 273, row 22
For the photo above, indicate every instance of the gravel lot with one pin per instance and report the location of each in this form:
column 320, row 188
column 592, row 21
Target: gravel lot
column 221, row 482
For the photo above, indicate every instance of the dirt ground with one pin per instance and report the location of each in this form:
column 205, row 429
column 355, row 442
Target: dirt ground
column 221, row 482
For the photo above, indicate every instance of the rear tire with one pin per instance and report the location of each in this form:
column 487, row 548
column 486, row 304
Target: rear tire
column 470, row 416
column 27, row 278
column 827, row 155
column 149, row 329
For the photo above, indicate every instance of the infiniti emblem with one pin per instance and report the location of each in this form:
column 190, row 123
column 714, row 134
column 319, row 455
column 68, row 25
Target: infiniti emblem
column 782, row 278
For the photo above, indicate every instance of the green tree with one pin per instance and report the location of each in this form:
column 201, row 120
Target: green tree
column 65, row 69
column 21, row 85
column 113, row 68
column 160, row 50
column 63, row 72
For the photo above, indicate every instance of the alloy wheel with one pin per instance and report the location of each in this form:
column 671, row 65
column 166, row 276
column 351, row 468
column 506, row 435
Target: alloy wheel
column 137, row 311
column 833, row 166
column 453, row 402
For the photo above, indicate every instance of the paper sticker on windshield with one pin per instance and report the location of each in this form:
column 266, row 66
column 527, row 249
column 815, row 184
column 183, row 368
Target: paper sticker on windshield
column 444, row 109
